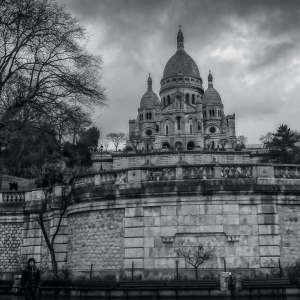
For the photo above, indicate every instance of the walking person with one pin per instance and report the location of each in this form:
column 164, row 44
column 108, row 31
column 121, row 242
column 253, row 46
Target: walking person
column 30, row 279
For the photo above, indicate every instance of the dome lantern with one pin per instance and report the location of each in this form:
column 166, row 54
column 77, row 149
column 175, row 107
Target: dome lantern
column 210, row 80
column 180, row 39
column 149, row 83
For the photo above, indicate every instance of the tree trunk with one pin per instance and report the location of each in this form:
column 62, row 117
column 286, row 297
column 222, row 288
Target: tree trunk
column 196, row 273
column 54, row 264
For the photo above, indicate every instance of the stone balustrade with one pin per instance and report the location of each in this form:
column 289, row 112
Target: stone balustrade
column 200, row 172
column 257, row 172
column 287, row 171
column 13, row 197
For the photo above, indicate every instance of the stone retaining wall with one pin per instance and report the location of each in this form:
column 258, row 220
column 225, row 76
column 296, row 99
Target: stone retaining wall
column 10, row 246
column 245, row 235
column 96, row 238
column 289, row 230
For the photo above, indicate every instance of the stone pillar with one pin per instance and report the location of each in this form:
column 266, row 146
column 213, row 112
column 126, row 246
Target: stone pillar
column 268, row 233
column 32, row 238
column 217, row 172
column 97, row 179
column 61, row 239
column 133, row 242
column 179, row 174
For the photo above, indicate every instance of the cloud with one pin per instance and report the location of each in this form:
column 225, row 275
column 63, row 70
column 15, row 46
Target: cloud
column 252, row 48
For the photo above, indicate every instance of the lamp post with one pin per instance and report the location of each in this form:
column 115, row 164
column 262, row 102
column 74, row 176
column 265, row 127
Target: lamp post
column 3, row 147
column 101, row 149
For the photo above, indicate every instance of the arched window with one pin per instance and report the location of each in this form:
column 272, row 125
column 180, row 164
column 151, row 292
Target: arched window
column 187, row 98
column 167, row 126
column 169, row 99
column 178, row 145
column 204, row 114
column 213, row 112
column 166, row 145
column 146, row 116
column 190, row 145
column 178, row 122
column 210, row 112
column 164, row 102
column 190, row 126
column 150, row 115
column 193, row 99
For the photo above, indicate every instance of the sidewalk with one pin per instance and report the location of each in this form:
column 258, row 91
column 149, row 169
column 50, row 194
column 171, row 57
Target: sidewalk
column 11, row 297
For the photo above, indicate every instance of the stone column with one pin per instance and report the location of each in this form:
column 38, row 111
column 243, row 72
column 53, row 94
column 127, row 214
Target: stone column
column 61, row 239
column 133, row 242
column 32, row 238
column 268, row 233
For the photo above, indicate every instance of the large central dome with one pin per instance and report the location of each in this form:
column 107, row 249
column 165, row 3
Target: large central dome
column 180, row 62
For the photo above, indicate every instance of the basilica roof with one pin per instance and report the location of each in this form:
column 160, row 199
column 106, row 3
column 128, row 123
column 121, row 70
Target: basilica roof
column 211, row 97
column 149, row 99
column 180, row 62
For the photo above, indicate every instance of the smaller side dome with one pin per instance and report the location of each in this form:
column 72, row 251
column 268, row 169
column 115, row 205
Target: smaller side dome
column 211, row 96
column 149, row 99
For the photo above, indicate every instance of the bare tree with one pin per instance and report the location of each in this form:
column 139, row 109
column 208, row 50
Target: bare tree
column 116, row 138
column 46, row 71
column 195, row 254
column 223, row 142
column 242, row 139
column 65, row 181
column 135, row 139
column 232, row 143
column 266, row 139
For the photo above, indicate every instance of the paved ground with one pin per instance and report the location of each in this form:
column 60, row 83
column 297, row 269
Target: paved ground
column 278, row 297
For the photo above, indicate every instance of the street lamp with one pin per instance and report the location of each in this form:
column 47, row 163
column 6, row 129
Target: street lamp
column 3, row 147
column 101, row 149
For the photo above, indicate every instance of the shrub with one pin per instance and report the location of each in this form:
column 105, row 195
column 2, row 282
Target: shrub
column 275, row 270
column 293, row 271
column 65, row 273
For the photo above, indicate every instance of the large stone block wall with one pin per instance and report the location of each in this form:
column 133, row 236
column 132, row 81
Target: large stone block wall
column 245, row 235
column 289, row 230
column 10, row 246
column 96, row 237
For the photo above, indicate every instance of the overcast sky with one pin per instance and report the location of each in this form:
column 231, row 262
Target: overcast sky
column 251, row 47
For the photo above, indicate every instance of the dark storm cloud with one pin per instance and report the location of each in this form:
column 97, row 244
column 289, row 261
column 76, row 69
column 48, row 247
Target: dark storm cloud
column 251, row 46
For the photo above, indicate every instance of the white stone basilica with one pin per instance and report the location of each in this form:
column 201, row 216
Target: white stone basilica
column 186, row 117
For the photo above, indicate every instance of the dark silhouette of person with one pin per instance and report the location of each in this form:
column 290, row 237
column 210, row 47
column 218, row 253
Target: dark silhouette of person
column 30, row 279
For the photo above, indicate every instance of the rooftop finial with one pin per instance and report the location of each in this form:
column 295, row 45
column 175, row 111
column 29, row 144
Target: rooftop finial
column 210, row 79
column 149, row 83
column 180, row 39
